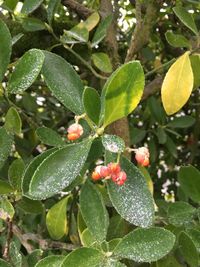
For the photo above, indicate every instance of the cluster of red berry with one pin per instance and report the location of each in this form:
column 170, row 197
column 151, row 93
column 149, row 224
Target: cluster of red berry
column 111, row 171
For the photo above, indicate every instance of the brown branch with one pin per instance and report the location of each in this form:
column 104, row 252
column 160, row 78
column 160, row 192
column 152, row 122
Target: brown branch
column 142, row 31
column 9, row 238
column 82, row 11
column 44, row 244
column 152, row 87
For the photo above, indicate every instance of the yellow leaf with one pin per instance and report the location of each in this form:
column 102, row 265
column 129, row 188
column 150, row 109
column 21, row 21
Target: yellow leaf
column 91, row 22
column 177, row 85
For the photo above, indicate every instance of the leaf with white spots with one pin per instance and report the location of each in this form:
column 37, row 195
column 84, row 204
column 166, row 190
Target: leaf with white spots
column 53, row 261
column 145, row 245
column 94, row 211
column 63, row 82
column 133, row 200
column 113, row 143
column 26, row 71
column 58, row 170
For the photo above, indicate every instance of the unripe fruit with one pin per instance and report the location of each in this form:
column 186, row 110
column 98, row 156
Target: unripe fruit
column 75, row 131
column 142, row 156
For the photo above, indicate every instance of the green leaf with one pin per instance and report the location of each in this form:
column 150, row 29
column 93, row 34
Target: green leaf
column 180, row 213
column 5, row 48
column 4, row 263
column 79, row 33
column 56, row 219
column 195, row 62
column 195, row 236
column 6, row 142
column 189, row 179
column 14, row 255
column 33, row 24
column 137, row 135
column 102, row 62
column 118, row 227
column 101, row 30
column 5, row 188
column 11, row 4
column 6, row 209
column 92, row 104
column 31, row 168
column 83, row 257
column 122, row 92
column 51, row 9
column 188, row 250
column 162, row 136
column 34, row 257
column 26, row 71
column 58, row 170
column 94, row 211
column 31, row 206
column 30, row 5
column 13, row 123
column 87, row 239
column 133, row 200
column 177, row 85
column 168, row 261
column 113, row 143
column 53, row 261
column 171, row 146
column 49, row 137
column 146, row 245
column 15, row 173
column 186, row 18
column 181, row 122
column 177, row 40
column 63, row 82
column 156, row 110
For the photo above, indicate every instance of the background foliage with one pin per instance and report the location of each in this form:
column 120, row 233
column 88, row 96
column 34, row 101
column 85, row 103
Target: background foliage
column 56, row 59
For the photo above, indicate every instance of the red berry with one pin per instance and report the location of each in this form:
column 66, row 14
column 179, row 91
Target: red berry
column 120, row 178
column 104, row 171
column 142, row 156
column 114, row 168
column 96, row 173
column 75, row 131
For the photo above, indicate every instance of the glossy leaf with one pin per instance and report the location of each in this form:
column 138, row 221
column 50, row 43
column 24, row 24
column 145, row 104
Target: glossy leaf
column 181, row 122
column 101, row 30
column 195, row 236
column 30, row 5
column 6, row 209
column 133, row 200
column 87, row 239
column 83, row 257
column 113, row 143
column 51, row 9
column 53, row 261
column 122, row 92
column 31, row 206
column 146, row 245
column 34, row 257
column 79, row 33
column 16, row 38
column 180, row 213
column 49, row 136
column 26, row 71
column 6, row 141
column 15, row 173
column 94, row 211
column 186, row 18
column 63, row 82
column 5, row 188
column 92, row 104
column 33, row 24
column 195, row 62
column 177, row 40
column 58, row 170
column 188, row 250
column 31, row 168
column 13, row 123
column 5, row 48
column 177, row 85
column 189, row 179
column 102, row 62
column 56, row 219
